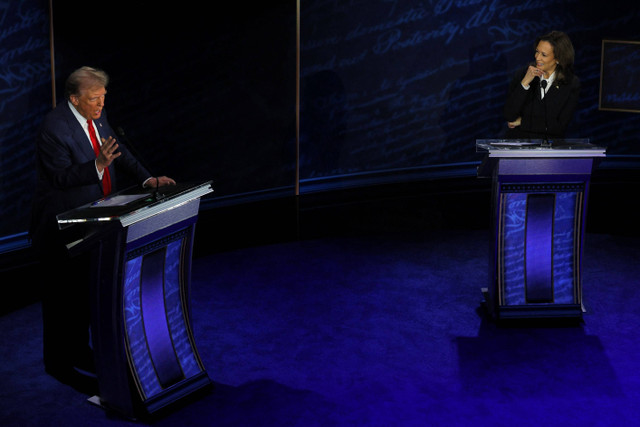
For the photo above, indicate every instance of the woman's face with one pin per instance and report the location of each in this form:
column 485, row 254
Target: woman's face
column 545, row 59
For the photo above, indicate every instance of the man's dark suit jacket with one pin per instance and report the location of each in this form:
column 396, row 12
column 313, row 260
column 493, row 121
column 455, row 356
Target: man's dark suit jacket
column 67, row 176
column 560, row 100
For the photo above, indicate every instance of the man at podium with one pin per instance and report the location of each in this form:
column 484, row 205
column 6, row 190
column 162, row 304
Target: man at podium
column 78, row 161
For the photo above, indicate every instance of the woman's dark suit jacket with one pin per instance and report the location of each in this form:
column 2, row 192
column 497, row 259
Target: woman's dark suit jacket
column 558, row 104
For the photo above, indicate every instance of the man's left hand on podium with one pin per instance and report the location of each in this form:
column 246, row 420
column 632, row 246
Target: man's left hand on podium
column 160, row 181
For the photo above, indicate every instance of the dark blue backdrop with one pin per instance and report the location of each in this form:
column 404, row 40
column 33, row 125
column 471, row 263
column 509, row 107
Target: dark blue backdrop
column 389, row 90
column 409, row 86
column 25, row 96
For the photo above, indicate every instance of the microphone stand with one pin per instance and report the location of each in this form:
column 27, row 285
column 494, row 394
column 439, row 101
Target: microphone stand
column 120, row 132
column 543, row 85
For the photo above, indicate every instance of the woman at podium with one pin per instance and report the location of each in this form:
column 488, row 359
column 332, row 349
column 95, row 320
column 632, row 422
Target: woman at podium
column 542, row 96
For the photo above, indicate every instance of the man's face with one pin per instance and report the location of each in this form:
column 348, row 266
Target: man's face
column 90, row 102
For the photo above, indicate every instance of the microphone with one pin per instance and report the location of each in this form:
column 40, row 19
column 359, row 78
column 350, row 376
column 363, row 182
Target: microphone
column 543, row 86
column 130, row 146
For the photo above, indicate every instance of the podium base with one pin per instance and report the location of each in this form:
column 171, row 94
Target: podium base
column 97, row 401
column 154, row 408
column 532, row 311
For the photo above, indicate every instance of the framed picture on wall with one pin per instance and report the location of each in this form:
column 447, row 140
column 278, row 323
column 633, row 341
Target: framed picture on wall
column 620, row 76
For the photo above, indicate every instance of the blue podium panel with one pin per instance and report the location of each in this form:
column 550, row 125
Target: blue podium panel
column 160, row 347
column 539, row 245
column 539, row 209
column 146, row 356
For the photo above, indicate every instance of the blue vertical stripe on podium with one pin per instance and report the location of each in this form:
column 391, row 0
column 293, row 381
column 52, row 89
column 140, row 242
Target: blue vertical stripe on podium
column 154, row 317
column 514, row 215
column 176, row 312
column 565, row 247
column 539, row 248
column 140, row 358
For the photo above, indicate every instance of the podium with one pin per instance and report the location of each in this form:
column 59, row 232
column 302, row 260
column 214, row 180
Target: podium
column 141, row 247
column 539, row 207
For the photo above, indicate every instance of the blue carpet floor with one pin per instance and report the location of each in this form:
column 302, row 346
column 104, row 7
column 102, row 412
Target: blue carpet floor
column 379, row 330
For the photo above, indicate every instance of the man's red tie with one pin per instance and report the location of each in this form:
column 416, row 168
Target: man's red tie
column 106, row 178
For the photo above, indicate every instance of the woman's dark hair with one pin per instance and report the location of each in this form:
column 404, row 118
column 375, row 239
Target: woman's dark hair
column 564, row 53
